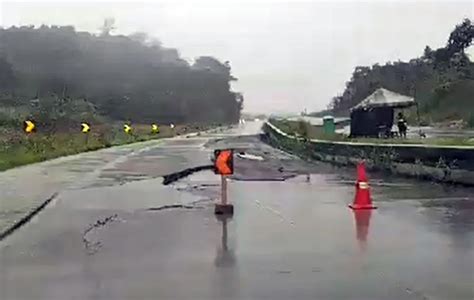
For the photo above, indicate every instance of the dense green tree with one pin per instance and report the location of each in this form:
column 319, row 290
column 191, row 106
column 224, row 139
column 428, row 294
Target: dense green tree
column 126, row 77
column 434, row 79
column 461, row 37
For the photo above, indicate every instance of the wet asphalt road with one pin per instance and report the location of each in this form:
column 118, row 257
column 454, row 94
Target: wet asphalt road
column 114, row 235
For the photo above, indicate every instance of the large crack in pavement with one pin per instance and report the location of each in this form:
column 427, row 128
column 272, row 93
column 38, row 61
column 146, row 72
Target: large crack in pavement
column 173, row 206
column 90, row 246
column 269, row 168
column 175, row 176
column 27, row 217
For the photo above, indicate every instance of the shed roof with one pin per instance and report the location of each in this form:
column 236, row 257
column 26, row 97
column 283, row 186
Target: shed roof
column 385, row 98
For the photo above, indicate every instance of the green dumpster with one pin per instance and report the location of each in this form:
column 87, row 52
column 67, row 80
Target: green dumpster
column 329, row 126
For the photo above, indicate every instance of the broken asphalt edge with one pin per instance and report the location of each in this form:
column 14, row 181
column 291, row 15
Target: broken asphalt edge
column 170, row 178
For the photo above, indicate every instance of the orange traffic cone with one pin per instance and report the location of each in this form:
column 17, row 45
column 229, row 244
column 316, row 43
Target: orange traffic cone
column 362, row 198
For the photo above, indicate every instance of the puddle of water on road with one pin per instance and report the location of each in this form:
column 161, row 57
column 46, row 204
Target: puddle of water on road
column 392, row 230
column 284, row 237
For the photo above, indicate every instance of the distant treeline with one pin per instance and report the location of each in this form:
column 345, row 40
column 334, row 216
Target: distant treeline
column 119, row 77
column 442, row 80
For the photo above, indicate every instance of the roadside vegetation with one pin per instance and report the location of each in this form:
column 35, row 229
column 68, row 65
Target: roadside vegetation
column 305, row 130
column 130, row 77
column 18, row 148
column 58, row 78
column 441, row 81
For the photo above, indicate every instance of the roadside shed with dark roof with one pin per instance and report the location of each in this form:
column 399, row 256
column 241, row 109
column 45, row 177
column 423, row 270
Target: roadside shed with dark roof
column 373, row 116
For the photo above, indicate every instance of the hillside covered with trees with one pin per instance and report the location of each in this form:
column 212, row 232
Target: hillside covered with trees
column 56, row 74
column 441, row 80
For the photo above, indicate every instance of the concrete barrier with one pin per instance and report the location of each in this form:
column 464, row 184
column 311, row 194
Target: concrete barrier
column 452, row 164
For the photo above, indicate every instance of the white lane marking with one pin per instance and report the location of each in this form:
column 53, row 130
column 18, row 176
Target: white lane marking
column 250, row 156
column 275, row 212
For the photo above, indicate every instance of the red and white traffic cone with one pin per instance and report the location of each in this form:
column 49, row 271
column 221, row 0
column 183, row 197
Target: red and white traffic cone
column 362, row 198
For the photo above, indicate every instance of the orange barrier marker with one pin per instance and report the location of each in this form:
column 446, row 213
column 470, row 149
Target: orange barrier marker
column 223, row 165
column 224, row 162
column 362, row 198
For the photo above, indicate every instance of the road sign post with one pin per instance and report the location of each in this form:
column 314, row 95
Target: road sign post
column 223, row 165
column 223, row 190
column 86, row 128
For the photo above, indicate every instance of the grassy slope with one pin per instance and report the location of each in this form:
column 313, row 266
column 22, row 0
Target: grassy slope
column 17, row 148
column 456, row 103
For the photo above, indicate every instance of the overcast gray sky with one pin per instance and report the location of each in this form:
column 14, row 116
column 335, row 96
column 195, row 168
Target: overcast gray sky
column 288, row 55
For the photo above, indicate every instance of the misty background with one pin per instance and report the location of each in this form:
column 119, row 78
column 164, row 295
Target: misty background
column 287, row 55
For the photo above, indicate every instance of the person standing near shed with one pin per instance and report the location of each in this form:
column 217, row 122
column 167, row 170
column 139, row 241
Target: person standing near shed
column 402, row 125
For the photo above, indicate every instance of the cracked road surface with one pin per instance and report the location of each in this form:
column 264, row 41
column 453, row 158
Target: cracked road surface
column 118, row 233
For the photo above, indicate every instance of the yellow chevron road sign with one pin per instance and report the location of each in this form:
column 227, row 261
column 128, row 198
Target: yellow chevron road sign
column 127, row 128
column 29, row 126
column 85, row 127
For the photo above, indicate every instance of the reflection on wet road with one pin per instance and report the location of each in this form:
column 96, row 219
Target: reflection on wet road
column 117, row 236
